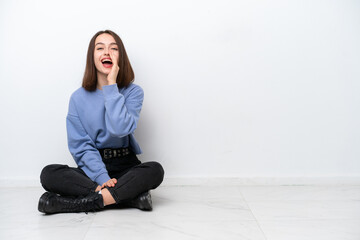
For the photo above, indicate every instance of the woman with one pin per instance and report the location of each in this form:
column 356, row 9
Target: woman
column 102, row 118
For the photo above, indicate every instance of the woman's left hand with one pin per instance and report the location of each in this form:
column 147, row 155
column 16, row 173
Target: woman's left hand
column 114, row 70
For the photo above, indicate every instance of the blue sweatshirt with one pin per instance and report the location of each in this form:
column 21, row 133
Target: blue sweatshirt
column 104, row 118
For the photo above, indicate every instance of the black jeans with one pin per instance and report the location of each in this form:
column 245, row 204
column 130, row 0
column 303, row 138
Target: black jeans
column 133, row 178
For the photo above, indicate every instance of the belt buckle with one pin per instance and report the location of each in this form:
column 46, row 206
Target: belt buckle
column 108, row 153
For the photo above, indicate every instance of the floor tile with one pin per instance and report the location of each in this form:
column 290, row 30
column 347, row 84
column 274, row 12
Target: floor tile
column 20, row 219
column 305, row 210
column 201, row 203
column 178, row 230
column 311, row 230
column 251, row 193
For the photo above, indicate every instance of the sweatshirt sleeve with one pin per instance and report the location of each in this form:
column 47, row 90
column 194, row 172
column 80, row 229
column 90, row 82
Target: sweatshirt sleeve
column 83, row 149
column 122, row 112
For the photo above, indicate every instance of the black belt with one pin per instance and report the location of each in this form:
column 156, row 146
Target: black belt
column 108, row 153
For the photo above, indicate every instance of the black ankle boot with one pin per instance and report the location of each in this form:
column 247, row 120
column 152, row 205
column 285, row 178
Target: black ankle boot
column 142, row 202
column 53, row 203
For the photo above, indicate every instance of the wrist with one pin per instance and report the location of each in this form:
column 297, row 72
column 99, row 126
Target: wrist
column 110, row 82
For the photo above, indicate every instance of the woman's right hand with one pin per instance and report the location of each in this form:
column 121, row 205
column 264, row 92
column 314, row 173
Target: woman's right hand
column 111, row 77
column 110, row 183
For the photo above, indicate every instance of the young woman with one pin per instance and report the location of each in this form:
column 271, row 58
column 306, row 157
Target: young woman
column 101, row 120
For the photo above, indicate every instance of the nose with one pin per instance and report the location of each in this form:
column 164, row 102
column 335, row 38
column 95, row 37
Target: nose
column 106, row 51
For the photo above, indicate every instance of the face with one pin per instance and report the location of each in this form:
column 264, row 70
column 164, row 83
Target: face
column 106, row 53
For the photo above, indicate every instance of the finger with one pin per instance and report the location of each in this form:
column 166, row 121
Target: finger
column 113, row 58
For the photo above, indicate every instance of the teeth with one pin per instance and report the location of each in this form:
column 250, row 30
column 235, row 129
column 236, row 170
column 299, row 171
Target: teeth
column 106, row 60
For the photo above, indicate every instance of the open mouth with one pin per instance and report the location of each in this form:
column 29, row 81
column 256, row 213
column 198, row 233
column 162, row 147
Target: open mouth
column 107, row 63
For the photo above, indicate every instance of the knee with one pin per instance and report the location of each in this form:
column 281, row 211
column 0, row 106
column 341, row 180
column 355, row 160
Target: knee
column 157, row 171
column 49, row 172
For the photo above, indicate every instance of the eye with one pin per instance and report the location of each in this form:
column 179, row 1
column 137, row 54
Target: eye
column 115, row 49
column 99, row 48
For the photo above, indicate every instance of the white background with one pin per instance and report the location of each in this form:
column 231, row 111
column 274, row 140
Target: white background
column 232, row 88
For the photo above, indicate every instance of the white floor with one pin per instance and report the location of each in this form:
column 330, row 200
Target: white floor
column 197, row 212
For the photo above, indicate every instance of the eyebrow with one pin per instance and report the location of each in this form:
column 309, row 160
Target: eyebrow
column 104, row 44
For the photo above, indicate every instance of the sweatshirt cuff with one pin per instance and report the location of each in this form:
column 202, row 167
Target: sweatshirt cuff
column 102, row 178
column 110, row 91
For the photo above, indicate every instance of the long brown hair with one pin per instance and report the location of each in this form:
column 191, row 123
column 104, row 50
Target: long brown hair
column 126, row 73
